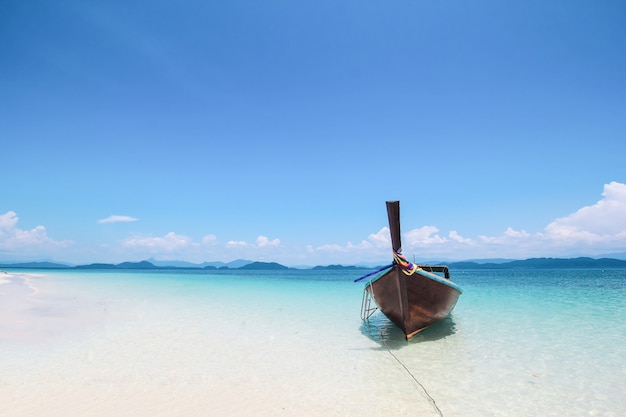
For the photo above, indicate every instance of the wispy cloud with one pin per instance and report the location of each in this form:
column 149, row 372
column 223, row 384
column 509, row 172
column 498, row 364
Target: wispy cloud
column 372, row 249
column 117, row 219
column 171, row 246
column 169, row 243
column 260, row 242
column 209, row 240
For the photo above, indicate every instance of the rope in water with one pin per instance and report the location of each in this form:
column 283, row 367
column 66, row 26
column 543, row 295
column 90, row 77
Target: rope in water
column 423, row 389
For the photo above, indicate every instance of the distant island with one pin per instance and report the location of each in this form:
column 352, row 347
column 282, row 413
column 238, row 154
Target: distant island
column 546, row 263
column 532, row 263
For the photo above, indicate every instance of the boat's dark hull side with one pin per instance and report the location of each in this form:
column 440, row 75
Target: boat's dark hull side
column 413, row 302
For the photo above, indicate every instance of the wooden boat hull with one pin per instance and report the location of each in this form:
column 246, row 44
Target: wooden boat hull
column 411, row 296
column 414, row 302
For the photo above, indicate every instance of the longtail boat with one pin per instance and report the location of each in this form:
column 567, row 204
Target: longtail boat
column 412, row 296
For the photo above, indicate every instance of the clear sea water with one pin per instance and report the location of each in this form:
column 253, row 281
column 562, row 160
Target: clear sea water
column 98, row 343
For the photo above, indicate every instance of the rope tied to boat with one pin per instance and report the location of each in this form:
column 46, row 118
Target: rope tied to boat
column 408, row 268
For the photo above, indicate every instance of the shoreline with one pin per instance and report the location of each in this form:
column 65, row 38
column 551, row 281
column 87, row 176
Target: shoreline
column 32, row 313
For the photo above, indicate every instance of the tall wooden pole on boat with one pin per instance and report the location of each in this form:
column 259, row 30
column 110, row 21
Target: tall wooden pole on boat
column 393, row 214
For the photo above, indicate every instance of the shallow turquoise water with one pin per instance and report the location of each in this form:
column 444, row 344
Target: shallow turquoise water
column 519, row 343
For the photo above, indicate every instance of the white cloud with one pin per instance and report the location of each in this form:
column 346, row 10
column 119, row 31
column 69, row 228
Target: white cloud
column 169, row 243
column 13, row 238
column 372, row 249
column 592, row 230
column 516, row 234
column 8, row 220
column 380, row 238
column 209, row 240
column 455, row 237
column 263, row 241
column 330, row 248
column 365, row 244
column 604, row 220
column 423, row 236
column 237, row 244
column 374, row 242
column 508, row 237
column 260, row 242
column 595, row 229
column 117, row 219
column 33, row 244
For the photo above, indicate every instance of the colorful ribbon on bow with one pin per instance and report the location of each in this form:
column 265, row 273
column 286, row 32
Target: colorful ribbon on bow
column 407, row 267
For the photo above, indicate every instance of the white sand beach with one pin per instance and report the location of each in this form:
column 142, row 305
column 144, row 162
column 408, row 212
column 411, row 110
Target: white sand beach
column 64, row 355
column 31, row 312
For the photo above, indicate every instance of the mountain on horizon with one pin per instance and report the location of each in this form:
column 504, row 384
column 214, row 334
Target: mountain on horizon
column 618, row 255
column 538, row 263
column 490, row 260
column 545, row 263
column 237, row 263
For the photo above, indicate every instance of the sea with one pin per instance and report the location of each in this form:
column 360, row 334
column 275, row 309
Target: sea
column 292, row 343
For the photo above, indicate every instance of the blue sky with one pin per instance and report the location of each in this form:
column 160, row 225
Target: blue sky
column 275, row 131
